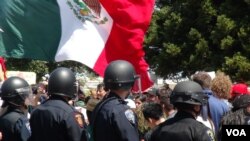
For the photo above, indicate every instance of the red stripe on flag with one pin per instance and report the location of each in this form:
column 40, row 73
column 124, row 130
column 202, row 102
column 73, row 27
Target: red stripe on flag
column 3, row 67
column 130, row 22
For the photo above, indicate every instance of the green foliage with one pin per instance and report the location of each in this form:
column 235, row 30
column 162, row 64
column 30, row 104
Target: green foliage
column 243, row 35
column 190, row 35
column 223, row 27
column 238, row 65
column 171, row 49
column 226, row 42
column 39, row 67
column 42, row 67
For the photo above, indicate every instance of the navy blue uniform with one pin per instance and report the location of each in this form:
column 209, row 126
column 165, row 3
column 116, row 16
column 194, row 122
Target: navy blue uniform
column 182, row 127
column 56, row 120
column 14, row 126
column 115, row 121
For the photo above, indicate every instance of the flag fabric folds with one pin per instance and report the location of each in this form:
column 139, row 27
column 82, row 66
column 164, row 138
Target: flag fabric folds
column 93, row 32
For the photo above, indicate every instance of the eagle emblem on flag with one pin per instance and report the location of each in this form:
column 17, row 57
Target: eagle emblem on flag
column 87, row 10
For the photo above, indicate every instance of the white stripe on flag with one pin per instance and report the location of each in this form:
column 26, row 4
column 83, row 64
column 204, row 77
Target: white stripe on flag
column 1, row 30
column 81, row 41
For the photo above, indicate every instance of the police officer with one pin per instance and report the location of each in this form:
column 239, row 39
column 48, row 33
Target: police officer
column 14, row 123
column 55, row 119
column 240, row 113
column 188, row 98
column 112, row 119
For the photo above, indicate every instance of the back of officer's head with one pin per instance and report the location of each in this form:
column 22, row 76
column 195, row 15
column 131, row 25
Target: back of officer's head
column 62, row 82
column 119, row 74
column 186, row 94
column 152, row 110
column 241, row 101
column 14, row 91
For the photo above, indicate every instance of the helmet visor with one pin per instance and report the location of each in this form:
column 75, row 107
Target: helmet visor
column 26, row 95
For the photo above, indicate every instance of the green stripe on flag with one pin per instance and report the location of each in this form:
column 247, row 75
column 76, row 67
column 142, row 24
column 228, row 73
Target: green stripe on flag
column 29, row 28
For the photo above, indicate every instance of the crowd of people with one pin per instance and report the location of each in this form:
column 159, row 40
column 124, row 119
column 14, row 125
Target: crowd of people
column 194, row 110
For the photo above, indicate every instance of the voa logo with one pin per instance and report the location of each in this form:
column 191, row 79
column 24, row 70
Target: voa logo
column 236, row 132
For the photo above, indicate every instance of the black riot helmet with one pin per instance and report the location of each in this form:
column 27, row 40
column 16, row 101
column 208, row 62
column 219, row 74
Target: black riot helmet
column 241, row 101
column 188, row 92
column 62, row 82
column 119, row 74
column 15, row 90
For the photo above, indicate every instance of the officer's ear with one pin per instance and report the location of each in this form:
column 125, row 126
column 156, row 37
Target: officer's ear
column 149, row 120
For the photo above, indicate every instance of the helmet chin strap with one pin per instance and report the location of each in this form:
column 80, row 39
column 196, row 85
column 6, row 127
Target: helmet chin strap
column 12, row 103
column 204, row 112
column 23, row 107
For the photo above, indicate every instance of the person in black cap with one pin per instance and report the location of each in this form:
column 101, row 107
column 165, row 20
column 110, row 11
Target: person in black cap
column 55, row 119
column 152, row 95
column 188, row 98
column 240, row 114
column 112, row 119
column 14, row 124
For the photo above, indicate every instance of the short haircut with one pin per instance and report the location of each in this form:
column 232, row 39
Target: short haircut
column 142, row 98
column 99, row 86
column 152, row 110
column 203, row 78
column 165, row 100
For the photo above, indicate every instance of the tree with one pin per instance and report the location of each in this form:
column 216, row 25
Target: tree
column 39, row 67
column 190, row 35
column 42, row 67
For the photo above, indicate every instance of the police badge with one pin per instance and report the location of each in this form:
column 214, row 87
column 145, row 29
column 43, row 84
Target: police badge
column 130, row 116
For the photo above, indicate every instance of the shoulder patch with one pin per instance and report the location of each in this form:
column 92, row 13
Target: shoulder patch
column 247, row 121
column 211, row 135
column 130, row 116
column 79, row 119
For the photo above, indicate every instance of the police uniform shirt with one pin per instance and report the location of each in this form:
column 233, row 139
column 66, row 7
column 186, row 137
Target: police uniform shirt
column 14, row 126
column 182, row 127
column 115, row 121
column 247, row 121
column 56, row 120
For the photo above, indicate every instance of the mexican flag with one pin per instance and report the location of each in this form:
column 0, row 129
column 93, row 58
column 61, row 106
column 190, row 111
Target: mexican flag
column 93, row 32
